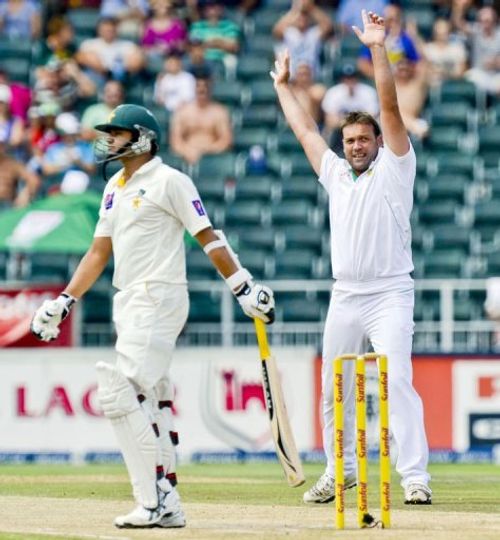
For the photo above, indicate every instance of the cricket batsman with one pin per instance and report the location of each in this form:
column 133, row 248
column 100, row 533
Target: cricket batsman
column 146, row 208
column 370, row 201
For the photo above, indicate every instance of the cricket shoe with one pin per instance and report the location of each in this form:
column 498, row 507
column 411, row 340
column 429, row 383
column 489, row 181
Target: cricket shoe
column 323, row 490
column 417, row 493
column 146, row 518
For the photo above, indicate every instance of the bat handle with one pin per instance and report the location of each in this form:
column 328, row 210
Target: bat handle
column 260, row 330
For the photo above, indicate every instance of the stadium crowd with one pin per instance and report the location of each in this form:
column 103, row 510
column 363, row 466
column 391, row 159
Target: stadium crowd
column 170, row 55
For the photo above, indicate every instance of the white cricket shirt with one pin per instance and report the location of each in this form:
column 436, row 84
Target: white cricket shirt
column 146, row 218
column 370, row 219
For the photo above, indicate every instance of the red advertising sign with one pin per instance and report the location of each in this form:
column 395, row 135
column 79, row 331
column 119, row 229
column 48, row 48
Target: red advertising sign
column 17, row 306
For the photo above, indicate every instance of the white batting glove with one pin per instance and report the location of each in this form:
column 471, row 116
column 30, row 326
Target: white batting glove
column 257, row 301
column 48, row 317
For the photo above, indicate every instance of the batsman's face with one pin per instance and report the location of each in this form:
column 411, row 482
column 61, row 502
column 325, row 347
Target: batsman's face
column 117, row 139
column 360, row 146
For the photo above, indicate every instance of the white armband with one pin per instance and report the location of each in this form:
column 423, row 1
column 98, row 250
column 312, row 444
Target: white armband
column 214, row 245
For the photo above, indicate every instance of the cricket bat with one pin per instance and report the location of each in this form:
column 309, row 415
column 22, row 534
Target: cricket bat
column 276, row 410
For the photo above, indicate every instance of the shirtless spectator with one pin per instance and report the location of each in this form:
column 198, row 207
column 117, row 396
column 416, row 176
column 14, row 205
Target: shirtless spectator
column 13, row 172
column 98, row 113
column 412, row 89
column 308, row 92
column 446, row 58
column 349, row 95
column 201, row 127
column 174, row 86
column 302, row 30
column 107, row 57
column 485, row 52
column 399, row 45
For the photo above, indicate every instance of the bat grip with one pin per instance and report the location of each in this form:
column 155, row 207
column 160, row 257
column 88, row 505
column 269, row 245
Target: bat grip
column 260, row 330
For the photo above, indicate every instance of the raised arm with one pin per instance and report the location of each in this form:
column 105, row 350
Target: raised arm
column 301, row 123
column 391, row 123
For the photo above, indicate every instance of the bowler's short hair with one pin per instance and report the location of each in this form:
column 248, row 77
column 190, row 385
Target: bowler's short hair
column 359, row 117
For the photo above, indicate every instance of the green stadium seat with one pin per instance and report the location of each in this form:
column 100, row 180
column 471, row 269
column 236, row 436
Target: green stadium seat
column 458, row 90
column 451, row 236
column 244, row 213
column 447, row 187
column 18, row 69
column 199, row 266
column 173, row 160
column 455, row 163
column 289, row 212
column 424, row 16
column 84, row 21
column 301, row 311
column 228, row 92
column 287, row 142
column 464, row 309
column 263, row 46
column 262, row 92
column 255, row 260
column 493, row 261
column 217, row 165
column 255, row 188
column 444, row 138
column 437, row 212
column 451, row 114
column 260, row 238
column 246, row 138
column 212, row 189
column 96, row 307
column 15, row 49
column 444, row 263
column 258, row 116
column 251, row 68
column 489, row 142
column 487, row 213
column 294, row 264
column 3, row 265
column 298, row 163
column 301, row 188
column 298, row 237
column 49, row 267
column 204, row 307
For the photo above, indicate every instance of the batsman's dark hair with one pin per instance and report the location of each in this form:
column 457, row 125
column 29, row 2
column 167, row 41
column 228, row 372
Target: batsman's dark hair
column 360, row 117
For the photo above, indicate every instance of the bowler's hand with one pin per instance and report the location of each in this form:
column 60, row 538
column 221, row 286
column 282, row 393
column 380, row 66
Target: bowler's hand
column 281, row 73
column 373, row 29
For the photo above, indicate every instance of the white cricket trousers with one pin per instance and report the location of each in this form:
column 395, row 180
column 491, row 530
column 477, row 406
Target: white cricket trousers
column 385, row 319
column 148, row 318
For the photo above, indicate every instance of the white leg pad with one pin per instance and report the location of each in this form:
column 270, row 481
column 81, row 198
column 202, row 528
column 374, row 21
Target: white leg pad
column 165, row 421
column 133, row 430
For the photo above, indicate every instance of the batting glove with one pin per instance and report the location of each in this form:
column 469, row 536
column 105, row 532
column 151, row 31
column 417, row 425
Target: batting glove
column 257, row 301
column 48, row 317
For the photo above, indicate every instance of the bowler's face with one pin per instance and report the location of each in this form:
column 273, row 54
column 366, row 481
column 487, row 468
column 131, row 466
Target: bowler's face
column 360, row 146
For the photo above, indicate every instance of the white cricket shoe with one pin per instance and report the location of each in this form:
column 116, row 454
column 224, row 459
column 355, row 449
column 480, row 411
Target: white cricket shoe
column 323, row 490
column 173, row 520
column 145, row 518
column 418, row 493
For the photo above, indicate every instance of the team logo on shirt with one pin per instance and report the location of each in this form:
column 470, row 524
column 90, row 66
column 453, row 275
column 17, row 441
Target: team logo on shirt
column 136, row 201
column 108, row 201
column 198, row 207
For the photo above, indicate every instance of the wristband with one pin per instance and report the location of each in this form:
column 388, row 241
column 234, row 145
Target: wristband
column 237, row 279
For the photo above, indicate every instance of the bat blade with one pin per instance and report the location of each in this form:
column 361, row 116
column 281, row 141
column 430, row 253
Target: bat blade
column 281, row 430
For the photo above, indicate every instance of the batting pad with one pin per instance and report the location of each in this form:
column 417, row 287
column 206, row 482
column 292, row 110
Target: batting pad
column 165, row 421
column 133, row 430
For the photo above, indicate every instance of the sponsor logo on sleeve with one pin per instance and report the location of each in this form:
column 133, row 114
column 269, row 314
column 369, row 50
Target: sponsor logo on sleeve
column 108, row 201
column 198, row 207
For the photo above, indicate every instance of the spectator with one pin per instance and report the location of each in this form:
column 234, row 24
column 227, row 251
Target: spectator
column 63, row 82
column 446, row 59
column 220, row 36
column 308, row 92
column 201, row 127
column 174, row 86
column 130, row 14
column 20, row 20
column 164, row 32
column 98, row 113
column 460, row 13
column 347, row 96
column 485, row 52
column 12, row 172
column 302, row 31
column 106, row 56
column 59, row 42
column 11, row 127
column 70, row 153
column 399, row 44
column 42, row 132
column 411, row 88
column 196, row 61
column 349, row 12
column 20, row 97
